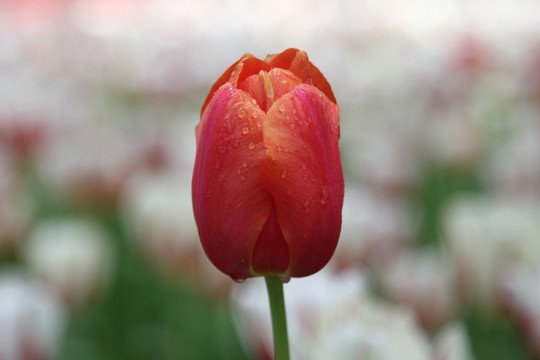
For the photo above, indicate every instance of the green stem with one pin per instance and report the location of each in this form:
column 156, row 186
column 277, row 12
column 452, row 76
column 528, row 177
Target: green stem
column 279, row 318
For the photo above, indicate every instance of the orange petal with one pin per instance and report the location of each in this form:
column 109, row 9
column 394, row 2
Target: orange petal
column 303, row 173
column 266, row 87
column 298, row 63
column 236, row 73
column 230, row 202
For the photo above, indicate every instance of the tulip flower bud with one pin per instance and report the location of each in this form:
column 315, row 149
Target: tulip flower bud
column 267, row 184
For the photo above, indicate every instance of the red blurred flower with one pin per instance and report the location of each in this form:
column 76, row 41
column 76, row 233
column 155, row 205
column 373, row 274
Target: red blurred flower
column 268, row 184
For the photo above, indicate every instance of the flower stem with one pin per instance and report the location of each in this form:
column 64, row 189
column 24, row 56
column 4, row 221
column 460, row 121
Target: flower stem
column 279, row 318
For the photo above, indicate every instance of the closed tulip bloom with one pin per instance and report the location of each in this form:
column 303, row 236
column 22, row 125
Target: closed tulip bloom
column 267, row 184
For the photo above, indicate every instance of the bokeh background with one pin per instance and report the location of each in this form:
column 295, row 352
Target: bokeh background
column 440, row 120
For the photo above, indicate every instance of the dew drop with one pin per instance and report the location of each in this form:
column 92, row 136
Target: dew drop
column 244, row 164
column 303, row 166
column 294, row 111
column 255, row 115
column 239, row 281
column 241, row 112
column 236, row 143
column 238, row 171
column 306, row 203
column 243, row 178
column 281, row 108
column 324, row 196
column 259, row 125
column 285, row 278
column 283, row 173
column 291, row 126
column 245, row 130
column 251, row 146
column 254, row 102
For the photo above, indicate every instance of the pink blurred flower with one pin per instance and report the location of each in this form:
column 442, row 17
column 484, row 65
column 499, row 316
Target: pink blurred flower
column 16, row 208
column 22, row 136
column 31, row 15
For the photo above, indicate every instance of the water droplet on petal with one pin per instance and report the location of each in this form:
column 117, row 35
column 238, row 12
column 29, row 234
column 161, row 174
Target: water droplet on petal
column 239, row 281
column 244, row 164
column 259, row 125
column 324, row 196
column 243, row 178
column 251, row 146
column 285, row 278
column 303, row 166
column 236, row 143
column 241, row 112
column 283, row 173
column 255, row 115
column 306, row 203
column 281, row 108
column 294, row 111
column 245, row 130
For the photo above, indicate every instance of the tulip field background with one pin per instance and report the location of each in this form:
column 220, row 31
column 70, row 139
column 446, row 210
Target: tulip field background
column 439, row 257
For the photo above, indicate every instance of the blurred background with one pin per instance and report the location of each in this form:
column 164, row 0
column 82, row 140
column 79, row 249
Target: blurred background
column 440, row 136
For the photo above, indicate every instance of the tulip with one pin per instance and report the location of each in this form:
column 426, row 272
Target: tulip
column 267, row 184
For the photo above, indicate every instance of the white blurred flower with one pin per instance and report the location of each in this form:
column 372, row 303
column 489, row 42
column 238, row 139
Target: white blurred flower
column 158, row 214
column 386, row 159
column 424, row 282
column 514, row 168
column 32, row 319
column 86, row 164
column 486, row 235
column 330, row 316
column 520, row 295
column 452, row 343
column 454, row 140
column 75, row 257
column 374, row 228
